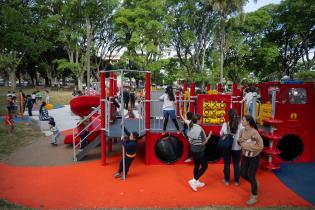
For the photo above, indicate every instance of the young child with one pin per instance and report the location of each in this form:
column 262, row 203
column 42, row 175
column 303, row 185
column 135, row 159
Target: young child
column 130, row 145
column 9, row 120
column 55, row 132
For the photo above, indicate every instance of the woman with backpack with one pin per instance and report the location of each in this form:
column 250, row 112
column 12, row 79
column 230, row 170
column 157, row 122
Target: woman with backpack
column 233, row 127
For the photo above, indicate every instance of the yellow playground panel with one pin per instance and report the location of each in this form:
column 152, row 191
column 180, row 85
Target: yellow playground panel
column 263, row 111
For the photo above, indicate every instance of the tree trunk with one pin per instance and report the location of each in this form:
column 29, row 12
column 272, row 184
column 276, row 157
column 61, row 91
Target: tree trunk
column 12, row 78
column 222, row 48
column 80, row 82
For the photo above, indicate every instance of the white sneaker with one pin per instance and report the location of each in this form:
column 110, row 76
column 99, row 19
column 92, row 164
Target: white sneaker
column 187, row 160
column 200, row 184
column 192, row 184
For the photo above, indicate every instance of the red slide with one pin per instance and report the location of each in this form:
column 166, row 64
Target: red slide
column 82, row 106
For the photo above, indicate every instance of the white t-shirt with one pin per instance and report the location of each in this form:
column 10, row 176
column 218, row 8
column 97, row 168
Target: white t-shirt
column 249, row 97
column 224, row 130
column 167, row 103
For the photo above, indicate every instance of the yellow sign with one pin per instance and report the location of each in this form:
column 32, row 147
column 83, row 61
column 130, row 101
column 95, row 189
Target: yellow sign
column 213, row 112
column 293, row 116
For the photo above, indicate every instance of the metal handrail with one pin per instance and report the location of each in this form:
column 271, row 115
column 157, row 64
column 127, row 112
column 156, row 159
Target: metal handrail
column 90, row 115
column 81, row 140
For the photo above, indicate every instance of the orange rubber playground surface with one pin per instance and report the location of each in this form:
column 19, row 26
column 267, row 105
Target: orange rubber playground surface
column 91, row 185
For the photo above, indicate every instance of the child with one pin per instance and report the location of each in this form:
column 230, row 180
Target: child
column 55, row 132
column 168, row 99
column 130, row 114
column 47, row 97
column 130, row 145
column 9, row 119
column 29, row 104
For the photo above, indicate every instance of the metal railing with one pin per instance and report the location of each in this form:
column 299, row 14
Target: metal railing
column 158, row 118
column 76, row 133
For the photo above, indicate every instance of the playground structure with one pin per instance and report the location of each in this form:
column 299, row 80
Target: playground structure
column 284, row 114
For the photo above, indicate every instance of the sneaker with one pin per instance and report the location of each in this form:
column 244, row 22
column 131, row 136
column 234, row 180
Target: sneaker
column 200, row 184
column 226, row 183
column 236, row 183
column 252, row 200
column 193, row 185
column 187, row 160
column 117, row 175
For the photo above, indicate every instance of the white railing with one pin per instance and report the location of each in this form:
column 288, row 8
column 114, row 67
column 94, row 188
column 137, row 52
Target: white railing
column 141, row 117
column 158, row 119
column 76, row 133
column 107, row 115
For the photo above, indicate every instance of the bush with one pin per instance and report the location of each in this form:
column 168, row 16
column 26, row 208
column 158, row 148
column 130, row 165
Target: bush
column 306, row 75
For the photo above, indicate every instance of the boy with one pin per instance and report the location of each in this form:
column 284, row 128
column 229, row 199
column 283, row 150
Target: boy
column 55, row 132
column 130, row 145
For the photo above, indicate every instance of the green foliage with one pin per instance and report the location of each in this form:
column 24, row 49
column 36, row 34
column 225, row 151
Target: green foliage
column 306, row 75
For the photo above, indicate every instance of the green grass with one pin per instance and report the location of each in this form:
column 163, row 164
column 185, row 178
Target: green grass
column 5, row 205
column 61, row 97
column 21, row 136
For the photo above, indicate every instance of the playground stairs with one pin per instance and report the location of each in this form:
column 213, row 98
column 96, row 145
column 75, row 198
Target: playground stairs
column 273, row 136
column 82, row 153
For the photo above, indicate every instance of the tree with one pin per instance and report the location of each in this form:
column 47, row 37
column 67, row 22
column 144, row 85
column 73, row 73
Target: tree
column 140, row 27
column 226, row 8
column 192, row 24
column 18, row 36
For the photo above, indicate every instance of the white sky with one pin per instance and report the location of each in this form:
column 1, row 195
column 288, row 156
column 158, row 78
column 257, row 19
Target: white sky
column 252, row 6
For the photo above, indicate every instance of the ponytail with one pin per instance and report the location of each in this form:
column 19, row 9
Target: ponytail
column 194, row 120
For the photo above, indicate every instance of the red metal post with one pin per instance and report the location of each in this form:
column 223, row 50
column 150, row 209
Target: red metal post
column 185, row 87
column 192, row 94
column 220, row 88
column 103, row 137
column 147, row 103
column 208, row 87
column 111, row 90
column 115, row 85
column 177, row 103
column 110, row 145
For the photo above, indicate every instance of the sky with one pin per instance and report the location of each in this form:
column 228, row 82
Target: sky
column 252, row 6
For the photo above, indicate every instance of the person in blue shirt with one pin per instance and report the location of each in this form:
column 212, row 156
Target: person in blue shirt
column 130, row 145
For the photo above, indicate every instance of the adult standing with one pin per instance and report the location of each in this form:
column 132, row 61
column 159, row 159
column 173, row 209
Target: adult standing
column 234, row 127
column 197, row 140
column 132, row 99
column 252, row 145
column 126, row 98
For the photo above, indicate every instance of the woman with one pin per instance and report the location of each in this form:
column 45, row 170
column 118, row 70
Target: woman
column 234, row 127
column 252, row 145
column 168, row 99
column 43, row 113
column 197, row 140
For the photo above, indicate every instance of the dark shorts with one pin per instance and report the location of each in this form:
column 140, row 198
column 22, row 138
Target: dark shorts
column 170, row 113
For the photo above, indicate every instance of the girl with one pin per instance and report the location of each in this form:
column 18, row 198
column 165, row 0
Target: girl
column 197, row 140
column 252, row 145
column 168, row 99
column 234, row 127
column 55, row 132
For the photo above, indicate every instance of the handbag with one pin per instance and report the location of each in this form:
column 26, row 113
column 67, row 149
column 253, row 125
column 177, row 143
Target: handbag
column 226, row 141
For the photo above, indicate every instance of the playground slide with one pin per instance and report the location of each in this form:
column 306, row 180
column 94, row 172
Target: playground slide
column 82, row 106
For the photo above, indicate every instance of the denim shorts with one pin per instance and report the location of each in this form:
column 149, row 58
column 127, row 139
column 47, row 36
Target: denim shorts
column 170, row 113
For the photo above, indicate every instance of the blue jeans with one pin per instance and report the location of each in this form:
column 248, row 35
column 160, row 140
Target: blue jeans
column 236, row 156
column 169, row 113
column 54, row 138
